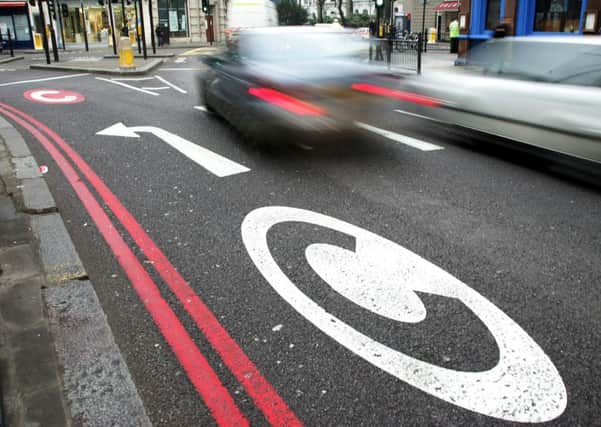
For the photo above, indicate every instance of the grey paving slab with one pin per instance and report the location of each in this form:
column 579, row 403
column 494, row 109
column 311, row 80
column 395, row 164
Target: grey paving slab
column 97, row 382
column 7, row 209
column 15, row 142
column 36, row 196
column 4, row 123
column 33, row 353
column 18, row 263
column 14, row 232
column 45, row 408
column 26, row 167
column 21, row 304
column 59, row 257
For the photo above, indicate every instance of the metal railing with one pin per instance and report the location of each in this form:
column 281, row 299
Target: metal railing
column 404, row 53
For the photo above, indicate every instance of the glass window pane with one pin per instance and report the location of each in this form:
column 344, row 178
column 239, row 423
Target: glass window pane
column 557, row 15
column 493, row 13
column 172, row 14
column 22, row 28
column 7, row 24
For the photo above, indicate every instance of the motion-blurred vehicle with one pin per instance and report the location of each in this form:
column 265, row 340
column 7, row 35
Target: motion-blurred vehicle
column 275, row 84
column 540, row 91
column 250, row 14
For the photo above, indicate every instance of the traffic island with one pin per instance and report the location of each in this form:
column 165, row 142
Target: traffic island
column 101, row 66
column 10, row 59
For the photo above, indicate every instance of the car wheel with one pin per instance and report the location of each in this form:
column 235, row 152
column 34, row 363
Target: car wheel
column 205, row 98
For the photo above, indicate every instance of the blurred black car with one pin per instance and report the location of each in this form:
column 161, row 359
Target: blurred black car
column 278, row 84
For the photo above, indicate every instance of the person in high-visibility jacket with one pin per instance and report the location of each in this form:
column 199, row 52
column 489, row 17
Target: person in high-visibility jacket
column 454, row 29
column 454, row 35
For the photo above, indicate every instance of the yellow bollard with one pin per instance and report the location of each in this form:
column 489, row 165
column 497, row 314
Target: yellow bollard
column 126, row 54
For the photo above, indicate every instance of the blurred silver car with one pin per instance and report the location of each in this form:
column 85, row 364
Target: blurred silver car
column 540, row 91
column 281, row 84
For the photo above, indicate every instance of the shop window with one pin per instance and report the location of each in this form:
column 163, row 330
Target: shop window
column 493, row 13
column 557, row 16
column 173, row 15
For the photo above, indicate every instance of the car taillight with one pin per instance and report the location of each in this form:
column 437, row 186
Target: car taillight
column 286, row 102
column 396, row 94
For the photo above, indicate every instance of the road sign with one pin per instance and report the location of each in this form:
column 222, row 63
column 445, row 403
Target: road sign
column 213, row 162
column 386, row 278
column 54, row 96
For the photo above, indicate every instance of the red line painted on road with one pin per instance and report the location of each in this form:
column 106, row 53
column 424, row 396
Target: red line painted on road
column 265, row 397
column 205, row 380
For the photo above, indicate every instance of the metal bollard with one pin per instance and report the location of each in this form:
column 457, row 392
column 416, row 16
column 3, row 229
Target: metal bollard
column 126, row 54
column 10, row 43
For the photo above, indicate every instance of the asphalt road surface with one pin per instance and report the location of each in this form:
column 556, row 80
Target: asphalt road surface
column 367, row 282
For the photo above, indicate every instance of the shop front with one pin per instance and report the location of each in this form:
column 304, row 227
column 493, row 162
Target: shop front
column 446, row 12
column 97, row 21
column 173, row 15
column 479, row 18
column 14, row 18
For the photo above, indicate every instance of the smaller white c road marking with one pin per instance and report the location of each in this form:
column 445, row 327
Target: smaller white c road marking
column 403, row 139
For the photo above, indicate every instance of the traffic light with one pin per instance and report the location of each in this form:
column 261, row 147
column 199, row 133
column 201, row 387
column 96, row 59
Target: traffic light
column 51, row 9
column 205, row 6
column 31, row 2
column 64, row 10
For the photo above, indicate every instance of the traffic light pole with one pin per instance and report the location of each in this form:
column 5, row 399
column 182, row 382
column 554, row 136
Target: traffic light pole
column 85, row 27
column 154, row 49
column 112, row 21
column 143, row 30
column 124, row 29
column 60, row 24
column 137, row 27
column 44, row 37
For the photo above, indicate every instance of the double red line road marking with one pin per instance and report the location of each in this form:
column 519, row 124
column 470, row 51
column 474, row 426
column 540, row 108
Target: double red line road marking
column 216, row 397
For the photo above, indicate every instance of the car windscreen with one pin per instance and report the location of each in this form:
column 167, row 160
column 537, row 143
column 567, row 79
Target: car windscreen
column 282, row 47
column 567, row 63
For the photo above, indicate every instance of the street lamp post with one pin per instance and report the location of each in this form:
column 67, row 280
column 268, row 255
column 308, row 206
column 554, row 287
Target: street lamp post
column 424, row 40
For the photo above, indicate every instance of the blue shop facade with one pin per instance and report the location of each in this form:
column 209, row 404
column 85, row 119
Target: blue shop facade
column 478, row 18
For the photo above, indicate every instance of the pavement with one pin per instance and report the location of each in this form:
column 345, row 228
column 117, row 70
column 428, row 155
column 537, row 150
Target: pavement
column 59, row 363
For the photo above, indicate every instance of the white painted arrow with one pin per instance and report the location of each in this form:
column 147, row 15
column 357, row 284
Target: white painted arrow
column 213, row 162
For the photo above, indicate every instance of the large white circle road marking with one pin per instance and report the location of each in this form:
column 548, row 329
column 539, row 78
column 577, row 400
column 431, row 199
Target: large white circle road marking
column 53, row 96
column 382, row 276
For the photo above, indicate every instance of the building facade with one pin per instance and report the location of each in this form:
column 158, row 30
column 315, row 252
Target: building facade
column 478, row 18
column 15, row 18
column 75, row 19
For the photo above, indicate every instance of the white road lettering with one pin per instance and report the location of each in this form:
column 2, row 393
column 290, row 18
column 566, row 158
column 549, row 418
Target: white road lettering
column 383, row 277
column 213, row 162
column 403, row 139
